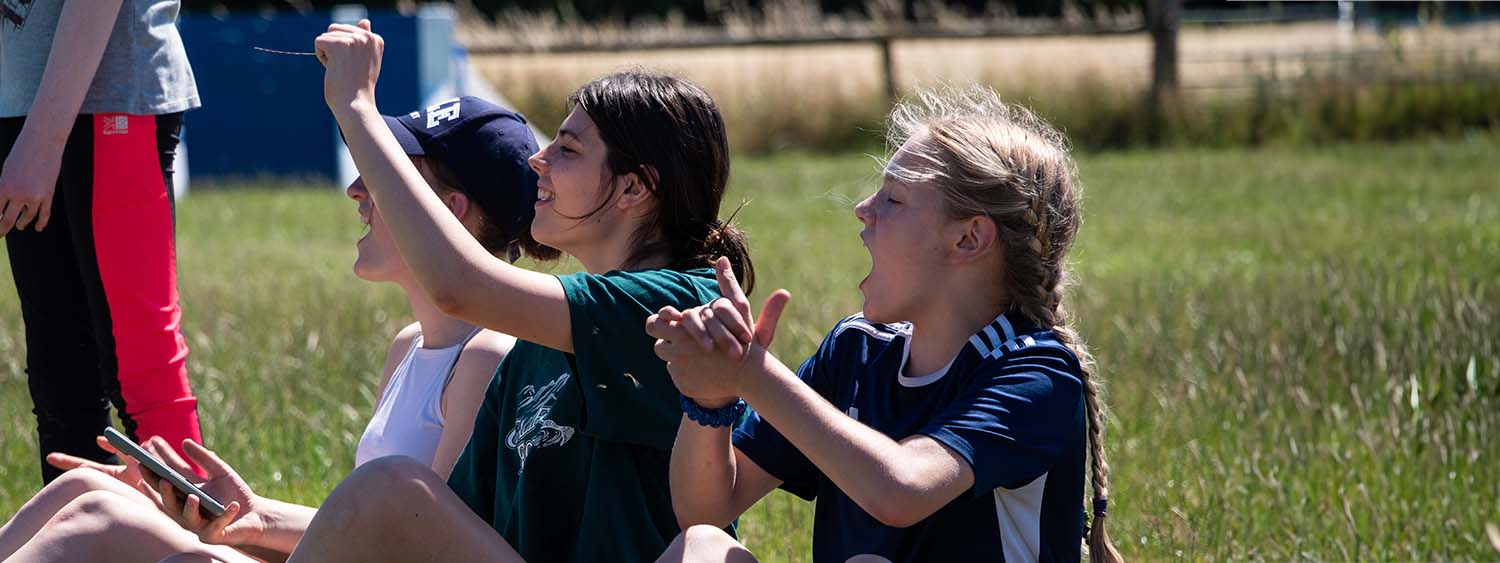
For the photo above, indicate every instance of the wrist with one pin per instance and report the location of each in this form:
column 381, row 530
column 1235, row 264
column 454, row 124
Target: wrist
column 715, row 402
column 50, row 139
column 357, row 107
column 760, row 376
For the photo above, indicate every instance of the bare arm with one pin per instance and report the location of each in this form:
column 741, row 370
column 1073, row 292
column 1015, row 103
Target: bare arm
column 712, row 481
column 898, row 483
column 463, row 279
column 284, row 523
column 30, row 173
column 461, row 399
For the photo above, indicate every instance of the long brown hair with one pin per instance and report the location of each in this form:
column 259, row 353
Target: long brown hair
column 1000, row 160
column 668, row 131
column 495, row 238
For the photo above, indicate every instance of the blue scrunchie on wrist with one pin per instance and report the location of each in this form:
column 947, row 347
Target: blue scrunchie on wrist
column 713, row 418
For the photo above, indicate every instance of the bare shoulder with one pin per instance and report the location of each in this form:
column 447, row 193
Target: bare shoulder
column 482, row 355
column 474, row 370
column 488, row 345
column 403, row 340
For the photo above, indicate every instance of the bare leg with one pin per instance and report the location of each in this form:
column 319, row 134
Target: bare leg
column 704, row 544
column 104, row 526
column 53, row 497
column 397, row 509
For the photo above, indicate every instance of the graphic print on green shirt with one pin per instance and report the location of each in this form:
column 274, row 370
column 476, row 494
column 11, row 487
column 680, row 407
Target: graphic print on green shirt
column 532, row 428
column 570, row 453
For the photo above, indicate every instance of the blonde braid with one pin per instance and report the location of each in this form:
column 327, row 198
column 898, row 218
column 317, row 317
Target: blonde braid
column 1002, row 161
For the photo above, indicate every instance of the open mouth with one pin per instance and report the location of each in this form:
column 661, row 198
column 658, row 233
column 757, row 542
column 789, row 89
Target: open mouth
column 365, row 217
column 544, row 196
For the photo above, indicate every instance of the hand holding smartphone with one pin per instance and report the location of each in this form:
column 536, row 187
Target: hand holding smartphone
column 207, row 504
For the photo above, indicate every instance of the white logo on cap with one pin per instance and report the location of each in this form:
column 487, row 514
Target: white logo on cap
column 444, row 111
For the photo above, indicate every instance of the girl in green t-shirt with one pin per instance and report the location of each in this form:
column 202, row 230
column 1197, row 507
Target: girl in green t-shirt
column 571, row 447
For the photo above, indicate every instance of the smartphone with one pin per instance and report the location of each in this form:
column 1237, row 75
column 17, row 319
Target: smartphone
column 206, row 503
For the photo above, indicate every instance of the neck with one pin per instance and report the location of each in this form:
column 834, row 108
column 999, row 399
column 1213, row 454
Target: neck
column 944, row 326
column 613, row 252
column 438, row 330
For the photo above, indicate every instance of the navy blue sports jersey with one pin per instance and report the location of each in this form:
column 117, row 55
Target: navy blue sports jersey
column 1010, row 403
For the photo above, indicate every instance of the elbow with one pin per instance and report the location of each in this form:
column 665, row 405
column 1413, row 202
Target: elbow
column 689, row 516
column 900, row 505
column 896, row 514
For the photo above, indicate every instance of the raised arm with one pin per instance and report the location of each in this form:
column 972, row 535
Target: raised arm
column 462, row 278
column 30, row 172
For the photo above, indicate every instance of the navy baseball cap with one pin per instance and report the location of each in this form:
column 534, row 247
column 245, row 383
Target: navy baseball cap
column 485, row 146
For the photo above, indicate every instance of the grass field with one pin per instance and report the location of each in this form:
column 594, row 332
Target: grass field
column 1300, row 345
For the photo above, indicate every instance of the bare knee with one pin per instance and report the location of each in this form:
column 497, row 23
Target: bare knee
column 75, row 482
column 94, row 519
column 703, row 543
column 94, row 506
column 394, row 477
column 364, row 499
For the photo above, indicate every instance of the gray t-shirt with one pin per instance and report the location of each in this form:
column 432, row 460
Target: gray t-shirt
column 144, row 70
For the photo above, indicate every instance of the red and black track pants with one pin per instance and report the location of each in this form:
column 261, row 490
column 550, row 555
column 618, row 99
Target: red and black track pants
column 98, row 289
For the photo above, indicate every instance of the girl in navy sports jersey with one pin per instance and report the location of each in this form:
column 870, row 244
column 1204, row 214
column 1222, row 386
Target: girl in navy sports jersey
column 954, row 418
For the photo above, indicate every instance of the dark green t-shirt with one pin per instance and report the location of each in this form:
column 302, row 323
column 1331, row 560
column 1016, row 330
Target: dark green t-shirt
column 569, row 455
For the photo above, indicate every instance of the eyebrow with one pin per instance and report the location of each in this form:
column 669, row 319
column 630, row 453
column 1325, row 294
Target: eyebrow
column 893, row 179
column 569, row 133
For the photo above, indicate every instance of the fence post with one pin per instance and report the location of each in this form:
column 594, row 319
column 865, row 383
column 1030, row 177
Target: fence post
column 887, row 67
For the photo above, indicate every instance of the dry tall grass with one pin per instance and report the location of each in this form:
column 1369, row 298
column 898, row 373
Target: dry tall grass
column 824, row 95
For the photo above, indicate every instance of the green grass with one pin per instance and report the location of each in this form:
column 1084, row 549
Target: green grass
column 1300, row 345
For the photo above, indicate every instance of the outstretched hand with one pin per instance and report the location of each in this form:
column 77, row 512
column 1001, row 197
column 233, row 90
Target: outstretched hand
column 128, row 473
column 707, row 347
column 240, row 524
column 351, row 57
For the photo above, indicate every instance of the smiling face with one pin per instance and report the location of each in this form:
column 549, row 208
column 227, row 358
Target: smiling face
column 572, row 182
column 907, row 233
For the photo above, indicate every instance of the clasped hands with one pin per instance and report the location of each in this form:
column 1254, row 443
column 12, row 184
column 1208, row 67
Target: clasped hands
column 714, row 350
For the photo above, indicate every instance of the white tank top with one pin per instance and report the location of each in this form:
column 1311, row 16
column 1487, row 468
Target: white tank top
column 409, row 417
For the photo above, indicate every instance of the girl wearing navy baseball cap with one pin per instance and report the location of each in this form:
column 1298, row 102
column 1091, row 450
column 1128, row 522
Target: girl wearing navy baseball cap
column 957, row 416
column 433, row 379
column 571, row 448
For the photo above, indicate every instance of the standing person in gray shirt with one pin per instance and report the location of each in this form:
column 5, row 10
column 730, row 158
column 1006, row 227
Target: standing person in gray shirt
column 91, row 100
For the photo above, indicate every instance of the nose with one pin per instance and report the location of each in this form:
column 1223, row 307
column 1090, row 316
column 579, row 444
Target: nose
column 862, row 210
column 538, row 162
column 356, row 190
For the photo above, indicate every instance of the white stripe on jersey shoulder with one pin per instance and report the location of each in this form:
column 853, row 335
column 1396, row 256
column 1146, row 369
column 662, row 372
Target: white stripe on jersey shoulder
column 979, row 345
column 1010, row 331
column 886, row 332
column 981, row 340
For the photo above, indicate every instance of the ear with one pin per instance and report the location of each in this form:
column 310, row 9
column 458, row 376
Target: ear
column 634, row 191
column 974, row 239
column 458, row 203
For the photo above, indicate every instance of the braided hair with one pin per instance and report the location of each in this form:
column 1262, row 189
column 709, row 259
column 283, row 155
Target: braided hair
column 1000, row 160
